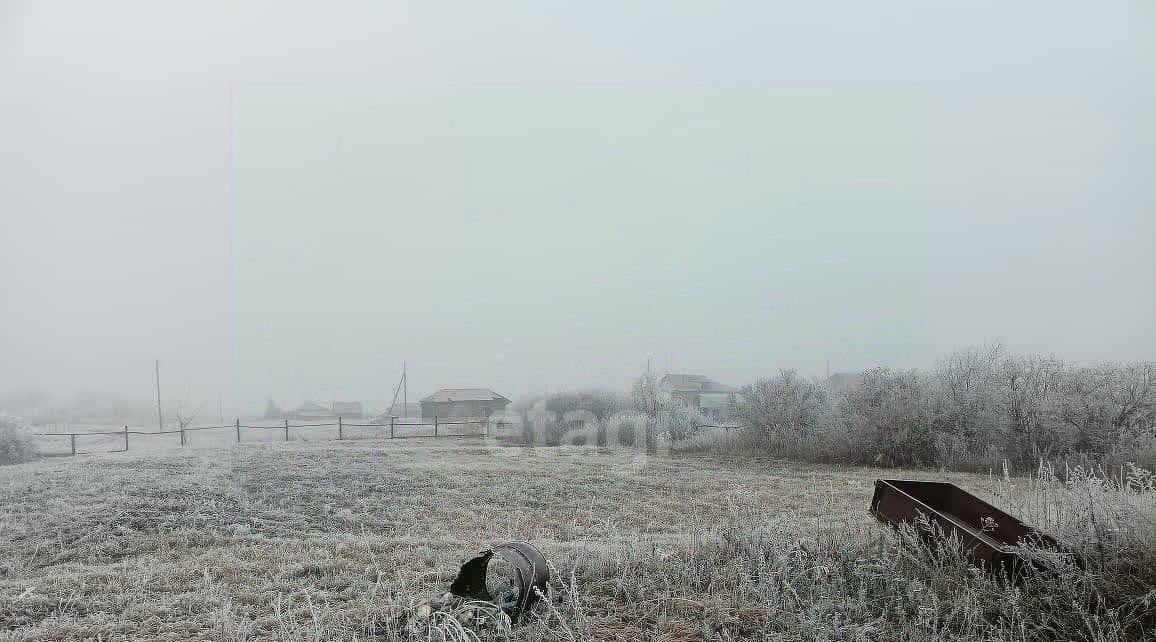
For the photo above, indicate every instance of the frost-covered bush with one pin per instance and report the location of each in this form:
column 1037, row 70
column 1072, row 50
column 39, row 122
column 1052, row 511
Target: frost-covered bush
column 16, row 445
column 1107, row 404
column 975, row 409
column 1029, row 390
column 685, row 422
column 968, row 382
column 784, row 405
column 626, row 429
column 896, row 416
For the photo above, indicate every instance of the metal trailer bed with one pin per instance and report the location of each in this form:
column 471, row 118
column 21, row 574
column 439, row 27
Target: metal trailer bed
column 989, row 536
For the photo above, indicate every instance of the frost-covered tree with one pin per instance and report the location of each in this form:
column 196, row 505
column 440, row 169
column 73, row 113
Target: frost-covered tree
column 784, row 403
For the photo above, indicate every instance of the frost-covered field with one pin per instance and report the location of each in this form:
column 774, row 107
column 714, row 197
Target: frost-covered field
column 335, row 540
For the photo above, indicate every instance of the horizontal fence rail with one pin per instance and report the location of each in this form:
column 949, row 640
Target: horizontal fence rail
column 393, row 425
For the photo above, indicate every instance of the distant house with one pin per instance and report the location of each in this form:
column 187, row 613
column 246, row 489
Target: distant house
column 841, row 383
column 310, row 411
column 348, row 409
column 702, row 392
column 463, row 402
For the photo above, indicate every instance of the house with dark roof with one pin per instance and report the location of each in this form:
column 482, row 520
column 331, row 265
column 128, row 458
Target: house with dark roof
column 702, row 392
column 463, row 402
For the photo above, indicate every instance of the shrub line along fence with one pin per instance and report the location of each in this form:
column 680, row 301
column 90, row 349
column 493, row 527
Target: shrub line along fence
column 340, row 424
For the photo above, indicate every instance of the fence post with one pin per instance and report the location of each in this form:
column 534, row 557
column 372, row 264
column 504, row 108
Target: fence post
column 435, row 425
column 126, row 439
column 73, row 440
column 391, row 426
column 286, row 430
column 238, row 425
column 340, row 427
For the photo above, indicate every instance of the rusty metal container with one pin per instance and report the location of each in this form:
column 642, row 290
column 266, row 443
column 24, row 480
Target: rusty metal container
column 988, row 535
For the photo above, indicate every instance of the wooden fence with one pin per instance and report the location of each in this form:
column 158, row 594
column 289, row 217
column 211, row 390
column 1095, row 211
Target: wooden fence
column 395, row 423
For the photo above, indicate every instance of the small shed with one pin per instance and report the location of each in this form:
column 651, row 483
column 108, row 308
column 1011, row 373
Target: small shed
column 463, row 402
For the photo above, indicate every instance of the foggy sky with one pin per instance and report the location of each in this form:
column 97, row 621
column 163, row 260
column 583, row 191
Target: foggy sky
column 289, row 199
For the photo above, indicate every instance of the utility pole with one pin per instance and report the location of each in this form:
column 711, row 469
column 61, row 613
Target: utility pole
column 402, row 384
column 160, row 420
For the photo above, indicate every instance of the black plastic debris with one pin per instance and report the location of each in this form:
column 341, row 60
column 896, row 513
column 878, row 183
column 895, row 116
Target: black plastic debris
column 510, row 575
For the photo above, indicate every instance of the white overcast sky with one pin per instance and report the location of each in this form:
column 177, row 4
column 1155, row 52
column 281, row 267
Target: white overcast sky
column 288, row 199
